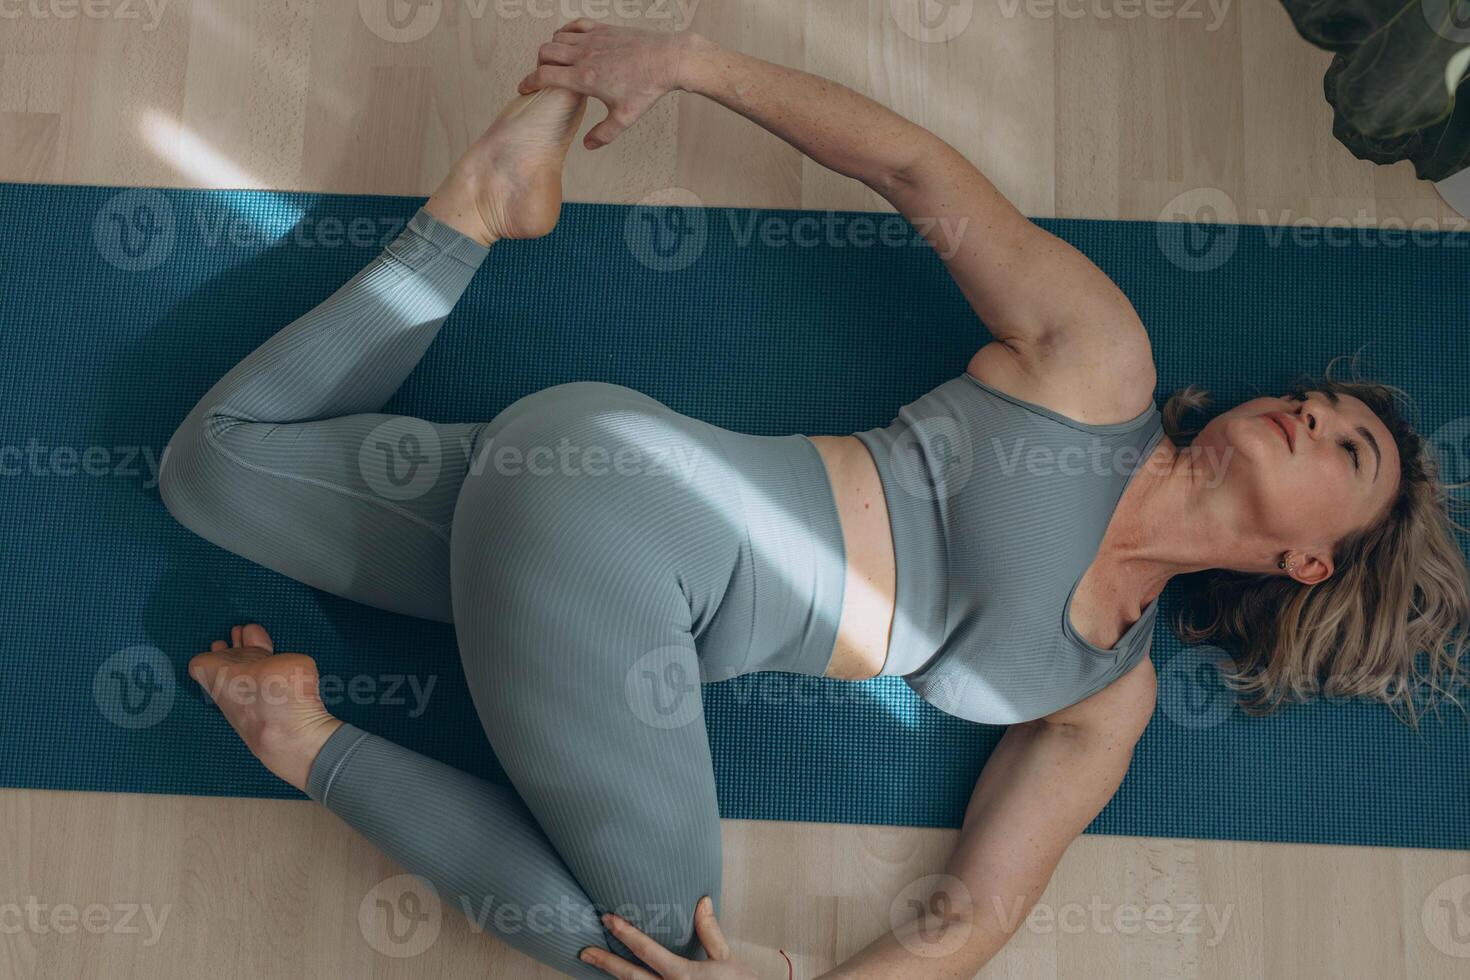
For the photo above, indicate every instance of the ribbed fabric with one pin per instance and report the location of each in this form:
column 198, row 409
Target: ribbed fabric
column 998, row 506
column 600, row 556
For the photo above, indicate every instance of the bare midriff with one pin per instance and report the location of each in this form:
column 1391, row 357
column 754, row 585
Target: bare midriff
column 866, row 622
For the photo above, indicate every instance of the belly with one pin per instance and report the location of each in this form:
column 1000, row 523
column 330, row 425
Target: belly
column 866, row 621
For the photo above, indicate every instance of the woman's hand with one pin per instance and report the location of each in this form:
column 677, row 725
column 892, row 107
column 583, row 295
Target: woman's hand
column 670, row 966
column 628, row 70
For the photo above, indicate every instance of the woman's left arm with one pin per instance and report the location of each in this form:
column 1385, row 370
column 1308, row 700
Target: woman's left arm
column 1043, row 300
column 1040, row 788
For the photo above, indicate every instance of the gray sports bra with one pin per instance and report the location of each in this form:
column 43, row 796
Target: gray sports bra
column 998, row 507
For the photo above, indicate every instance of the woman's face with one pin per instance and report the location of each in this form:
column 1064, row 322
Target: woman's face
column 1306, row 469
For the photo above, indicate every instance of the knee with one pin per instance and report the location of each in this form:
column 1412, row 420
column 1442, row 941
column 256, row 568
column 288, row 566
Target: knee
column 184, row 475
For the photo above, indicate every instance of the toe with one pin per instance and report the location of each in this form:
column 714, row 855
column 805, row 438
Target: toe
column 235, row 632
column 219, row 645
column 255, row 635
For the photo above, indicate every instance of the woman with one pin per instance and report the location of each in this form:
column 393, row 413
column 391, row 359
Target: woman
column 1006, row 587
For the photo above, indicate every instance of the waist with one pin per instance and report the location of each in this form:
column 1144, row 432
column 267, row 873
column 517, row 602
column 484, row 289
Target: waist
column 865, row 624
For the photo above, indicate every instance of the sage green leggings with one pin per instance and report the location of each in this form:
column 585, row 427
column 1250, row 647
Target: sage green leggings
column 600, row 555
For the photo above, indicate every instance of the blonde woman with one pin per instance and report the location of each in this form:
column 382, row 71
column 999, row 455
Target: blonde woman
column 593, row 593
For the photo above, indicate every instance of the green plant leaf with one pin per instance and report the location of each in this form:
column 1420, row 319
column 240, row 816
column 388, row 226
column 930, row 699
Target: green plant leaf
column 1393, row 81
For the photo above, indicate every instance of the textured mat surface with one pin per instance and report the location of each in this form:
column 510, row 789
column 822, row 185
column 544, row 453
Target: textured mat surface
column 120, row 308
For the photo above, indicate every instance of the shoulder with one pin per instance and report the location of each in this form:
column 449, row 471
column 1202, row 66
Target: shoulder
column 1098, row 376
column 1120, row 710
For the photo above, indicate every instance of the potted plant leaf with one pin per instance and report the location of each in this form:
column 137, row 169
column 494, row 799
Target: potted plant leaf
column 1392, row 84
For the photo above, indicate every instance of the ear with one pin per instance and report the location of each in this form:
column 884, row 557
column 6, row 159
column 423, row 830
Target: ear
column 1312, row 567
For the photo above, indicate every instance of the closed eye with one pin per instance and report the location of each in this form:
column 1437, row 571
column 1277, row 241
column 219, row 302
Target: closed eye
column 1351, row 446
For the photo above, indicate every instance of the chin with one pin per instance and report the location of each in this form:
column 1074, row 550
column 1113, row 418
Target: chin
column 1240, row 460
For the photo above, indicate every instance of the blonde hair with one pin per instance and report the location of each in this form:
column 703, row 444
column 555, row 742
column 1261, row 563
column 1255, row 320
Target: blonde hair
column 1399, row 589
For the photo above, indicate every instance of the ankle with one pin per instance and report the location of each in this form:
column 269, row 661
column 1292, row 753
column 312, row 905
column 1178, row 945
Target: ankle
column 290, row 750
column 456, row 204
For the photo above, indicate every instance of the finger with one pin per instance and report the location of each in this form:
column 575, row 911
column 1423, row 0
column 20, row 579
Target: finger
column 608, row 130
column 648, row 950
column 709, row 931
column 614, row 966
column 255, row 636
column 551, row 76
column 553, row 53
column 582, row 25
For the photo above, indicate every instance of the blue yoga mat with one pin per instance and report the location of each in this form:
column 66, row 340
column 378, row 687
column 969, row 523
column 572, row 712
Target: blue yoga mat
column 121, row 307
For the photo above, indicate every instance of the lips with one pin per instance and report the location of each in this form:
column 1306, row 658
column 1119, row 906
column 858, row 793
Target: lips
column 1288, row 430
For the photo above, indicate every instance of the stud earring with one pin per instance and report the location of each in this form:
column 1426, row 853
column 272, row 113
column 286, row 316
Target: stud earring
column 1284, row 563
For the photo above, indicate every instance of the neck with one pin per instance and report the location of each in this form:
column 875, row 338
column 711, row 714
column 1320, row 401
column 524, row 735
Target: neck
column 1170, row 523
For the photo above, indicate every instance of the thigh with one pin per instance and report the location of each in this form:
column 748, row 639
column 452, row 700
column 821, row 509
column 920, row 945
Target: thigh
column 577, row 586
column 359, row 506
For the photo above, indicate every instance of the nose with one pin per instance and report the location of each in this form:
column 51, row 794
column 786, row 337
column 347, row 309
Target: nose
column 1313, row 418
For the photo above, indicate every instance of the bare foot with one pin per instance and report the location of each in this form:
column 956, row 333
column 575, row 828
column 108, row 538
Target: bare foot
column 508, row 185
column 270, row 699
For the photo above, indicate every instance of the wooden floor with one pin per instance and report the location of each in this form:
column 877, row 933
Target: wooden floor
column 1087, row 116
